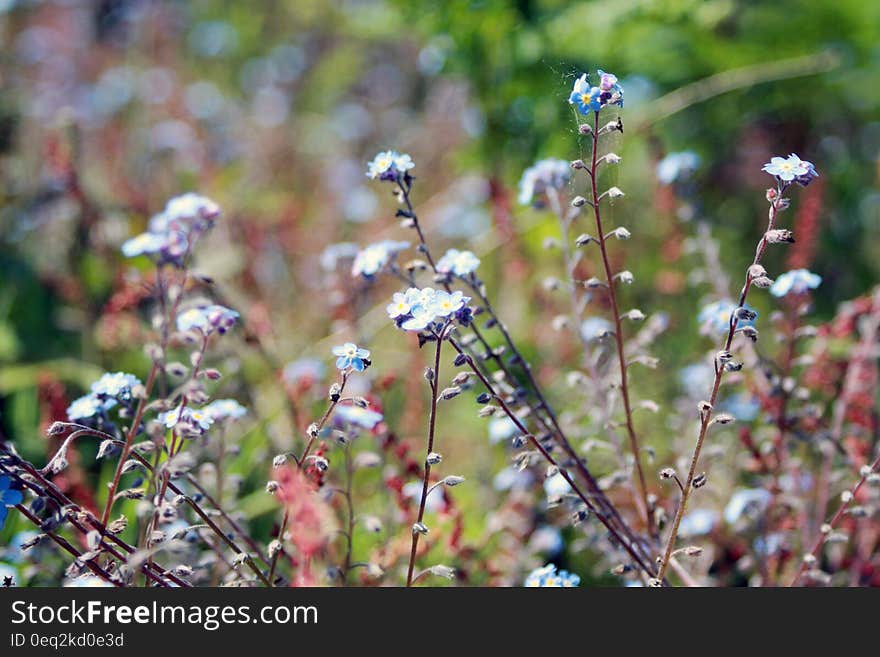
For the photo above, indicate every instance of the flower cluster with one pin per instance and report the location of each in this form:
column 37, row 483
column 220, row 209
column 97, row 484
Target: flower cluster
column 171, row 232
column 459, row 263
column 389, row 165
column 207, row 319
column 417, row 309
column 352, row 356
column 549, row 577
column 8, row 496
column 374, row 258
column 106, row 392
column 791, row 169
column 796, row 281
column 188, row 421
column 716, row 316
column 587, row 98
column 225, row 409
column 542, row 176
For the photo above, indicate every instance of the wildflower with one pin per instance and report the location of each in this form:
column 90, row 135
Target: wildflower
column 191, row 210
column 191, row 420
column 372, row 259
column 594, row 328
column 548, row 577
column 791, row 169
column 460, row 263
column 144, row 244
column 445, row 303
column 350, row 355
column 746, row 501
column 501, row 428
column 420, row 317
column 87, row 581
column 207, row 319
column 556, row 486
column 716, row 316
column 222, row 409
column 698, row 522
column 361, row 417
column 540, row 177
column 388, row 165
column 88, row 406
column 168, row 237
column 744, row 407
column 546, row 539
column 796, row 281
column 584, row 97
column 8, row 496
column 117, row 385
column 677, row 166
column 399, row 306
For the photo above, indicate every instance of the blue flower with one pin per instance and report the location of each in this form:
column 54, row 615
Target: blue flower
column 399, row 306
column 743, row 406
column 548, row 577
column 698, row 522
column 594, row 328
column 388, row 165
column 221, row 409
column 372, row 259
column 541, row 176
column 501, row 428
column 716, row 316
column 168, row 237
column 445, row 303
column 350, row 355
column 207, row 319
column 796, row 281
column 417, row 309
column 460, row 263
column 791, row 169
column 8, row 496
column 88, row 406
column 361, row 417
column 556, row 486
column 584, row 97
column 677, row 166
column 144, row 244
column 746, row 501
column 190, row 420
column 116, row 385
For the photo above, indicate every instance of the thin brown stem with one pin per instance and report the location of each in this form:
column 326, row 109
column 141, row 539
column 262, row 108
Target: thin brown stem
column 706, row 415
column 430, row 448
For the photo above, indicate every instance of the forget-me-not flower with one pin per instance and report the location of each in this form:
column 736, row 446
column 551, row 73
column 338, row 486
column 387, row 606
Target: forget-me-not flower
column 372, row 259
column 8, row 496
column 541, row 176
column 716, row 316
column 677, row 166
column 115, row 385
column 358, row 416
column 548, row 577
column 796, row 281
column 388, row 165
column 460, row 263
column 207, row 319
column 350, row 355
column 222, row 409
column 791, row 169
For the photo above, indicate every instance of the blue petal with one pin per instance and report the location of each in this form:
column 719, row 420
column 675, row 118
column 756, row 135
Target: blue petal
column 342, row 362
column 357, row 364
column 3, row 513
column 12, row 497
column 4, row 483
